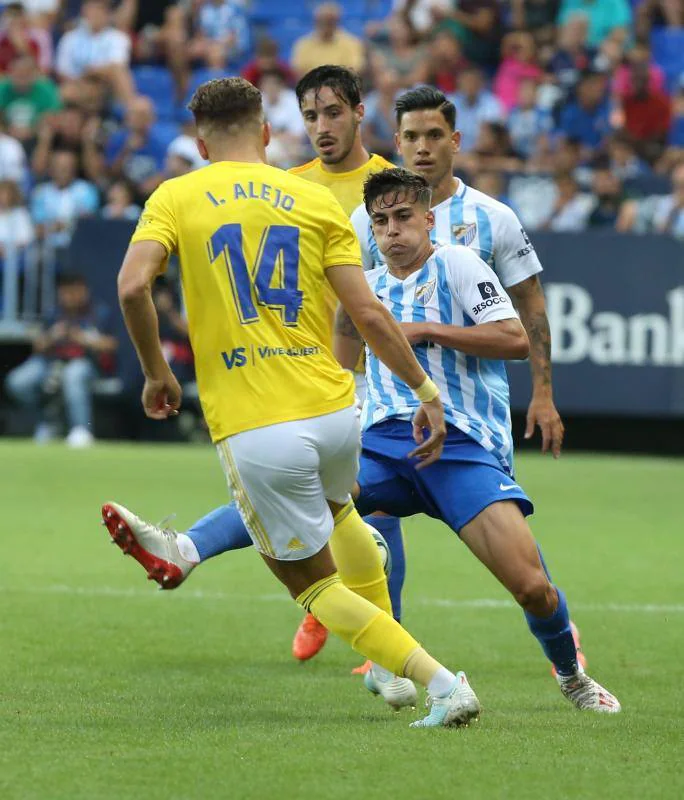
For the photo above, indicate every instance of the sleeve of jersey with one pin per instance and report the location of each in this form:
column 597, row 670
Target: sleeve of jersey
column 157, row 222
column 477, row 288
column 341, row 246
column 361, row 223
column 515, row 258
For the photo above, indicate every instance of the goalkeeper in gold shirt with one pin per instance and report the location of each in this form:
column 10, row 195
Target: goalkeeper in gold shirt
column 330, row 103
column 258, row 249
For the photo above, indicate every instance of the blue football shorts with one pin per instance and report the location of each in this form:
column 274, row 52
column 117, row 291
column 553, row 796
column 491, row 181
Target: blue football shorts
column 455, row 489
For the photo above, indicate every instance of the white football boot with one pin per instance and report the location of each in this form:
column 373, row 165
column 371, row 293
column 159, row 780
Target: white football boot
column 458, row 709
column 587, row 695
column 153, row 547
column 395, row 691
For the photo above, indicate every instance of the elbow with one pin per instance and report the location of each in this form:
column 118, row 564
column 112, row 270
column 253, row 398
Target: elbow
column 131, row 289
column 520, row 346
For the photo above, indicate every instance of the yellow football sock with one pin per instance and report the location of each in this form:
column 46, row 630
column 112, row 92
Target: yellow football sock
column 420, row 666
column 370, row 631
column 357, row 558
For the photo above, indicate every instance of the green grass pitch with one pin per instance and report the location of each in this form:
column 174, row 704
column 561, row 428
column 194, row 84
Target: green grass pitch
column 110, row 689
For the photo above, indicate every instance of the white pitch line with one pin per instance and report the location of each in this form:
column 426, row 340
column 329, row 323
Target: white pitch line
column 429, row 602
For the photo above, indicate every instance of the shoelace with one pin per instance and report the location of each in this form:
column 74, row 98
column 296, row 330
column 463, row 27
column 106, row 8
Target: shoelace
column 162, row 525
column 583, row 689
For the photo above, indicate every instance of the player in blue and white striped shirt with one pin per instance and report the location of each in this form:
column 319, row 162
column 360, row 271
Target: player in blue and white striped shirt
column 461, row 324
column 427, row 140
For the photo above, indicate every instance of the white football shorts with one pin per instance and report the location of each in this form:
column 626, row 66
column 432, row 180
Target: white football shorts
column 281, row 477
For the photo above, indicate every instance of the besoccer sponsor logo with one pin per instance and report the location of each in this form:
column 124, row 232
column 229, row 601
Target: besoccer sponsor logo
column 490, row 297
column 529, row 247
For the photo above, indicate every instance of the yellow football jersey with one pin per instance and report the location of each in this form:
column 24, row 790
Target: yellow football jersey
column 254, row 243
column 346, row 186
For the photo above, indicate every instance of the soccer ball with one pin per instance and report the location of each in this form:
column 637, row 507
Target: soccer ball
column 385, row 554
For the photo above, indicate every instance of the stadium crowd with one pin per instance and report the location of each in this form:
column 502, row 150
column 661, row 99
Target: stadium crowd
column 571, row 111
column 565, row 113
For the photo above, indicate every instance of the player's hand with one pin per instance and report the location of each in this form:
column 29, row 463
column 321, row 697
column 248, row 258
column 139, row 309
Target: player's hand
column 414, row 332
column 161, row 397
column 543, row 412
column 431, row 416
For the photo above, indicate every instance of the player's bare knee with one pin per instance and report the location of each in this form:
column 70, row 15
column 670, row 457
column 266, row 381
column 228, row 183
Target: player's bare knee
column 535, row 594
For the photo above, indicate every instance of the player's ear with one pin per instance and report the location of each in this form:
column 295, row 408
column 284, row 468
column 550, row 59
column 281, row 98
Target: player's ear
column 360, row 112
column 202, row 148
column 456, row 141
column 267, row 134
column 430, row 219
column 397, row 142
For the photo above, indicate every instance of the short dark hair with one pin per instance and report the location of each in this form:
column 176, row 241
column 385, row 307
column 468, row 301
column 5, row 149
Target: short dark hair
column 344, row 82
column 426, row 98
column 226, row 103
column 398, row 181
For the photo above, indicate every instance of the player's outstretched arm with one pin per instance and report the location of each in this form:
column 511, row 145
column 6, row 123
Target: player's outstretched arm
column 503, row 339
column 528, row 297
column 383, row 335
column 143, row 262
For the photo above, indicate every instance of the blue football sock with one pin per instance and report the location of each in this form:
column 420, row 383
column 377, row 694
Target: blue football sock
column 220, row 531
column 555, row 636
column 390, row 528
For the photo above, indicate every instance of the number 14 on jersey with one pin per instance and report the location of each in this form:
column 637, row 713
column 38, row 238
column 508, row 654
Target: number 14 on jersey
column 277, row 255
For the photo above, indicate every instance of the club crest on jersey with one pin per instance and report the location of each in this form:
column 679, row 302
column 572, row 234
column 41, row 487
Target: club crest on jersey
column 424, row 292
column 463, row 234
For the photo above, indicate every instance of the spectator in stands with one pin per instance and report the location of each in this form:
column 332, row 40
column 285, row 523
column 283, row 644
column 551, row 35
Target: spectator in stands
column 288, row 134
column 537, row 16
column 68, row 130
column 572, row 56
column 267, row 58
column 528, row 121
column 137, row 152
column 18, row 38
column 327, row 43
column 57, row 206
column 474, row 105
column 608, row 197
column 422, row 14
column 519, row 63
column 67, row 354
column 639, row 58
column 623, row 159
column 588, row 117
column 223, row 24
column 96, row 48
column 42, row 13
column 91, row 95
column 493, row 151
column 647, row 114
column 669, row 213
column 492, row 183
column 185, row 145
column 121, row 202
column 477, row 26
column 173, row 332
column 658, row 14
column 16, row 228
column 25, row 96
column 379, row 119
column 12, row 156
column 445, row 63
column 604, row 17
column 571, row 209
column 401, row 53
column 177, row 165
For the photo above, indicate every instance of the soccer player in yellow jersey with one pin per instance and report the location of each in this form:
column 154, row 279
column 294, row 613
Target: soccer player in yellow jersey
column 330, row 102
column 257, row 248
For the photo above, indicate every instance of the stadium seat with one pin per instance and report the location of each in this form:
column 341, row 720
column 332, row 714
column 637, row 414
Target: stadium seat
column 157, row 84
column 668, row 51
